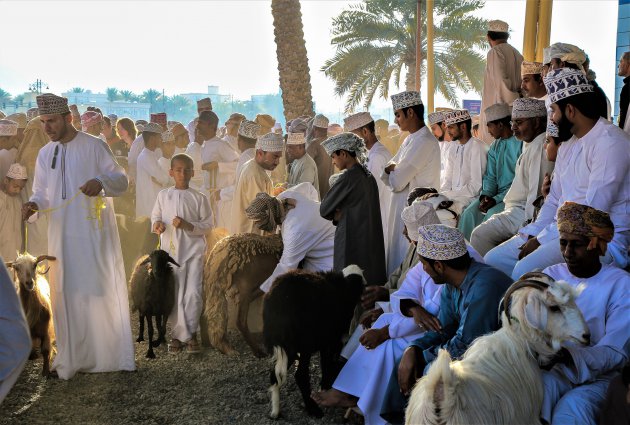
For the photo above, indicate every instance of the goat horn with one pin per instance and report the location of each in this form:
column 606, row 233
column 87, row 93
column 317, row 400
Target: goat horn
column 519, row 284
column 45, row 257
column 170, row 260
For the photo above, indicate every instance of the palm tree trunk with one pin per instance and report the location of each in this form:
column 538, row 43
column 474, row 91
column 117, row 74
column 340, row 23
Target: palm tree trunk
column 295, row 79
column 410, row 79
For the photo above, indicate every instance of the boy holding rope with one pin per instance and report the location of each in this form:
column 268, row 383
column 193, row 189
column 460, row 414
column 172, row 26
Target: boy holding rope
column 182, row 216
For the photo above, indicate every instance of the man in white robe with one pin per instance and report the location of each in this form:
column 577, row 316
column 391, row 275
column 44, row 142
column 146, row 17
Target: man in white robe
column 88, row 287
column 302, row 168
column 416, row 164
column 529, row 126
column 214, row 152
column 576, row 386
column 231, row 130
column 182, row 216
column 592, row 168
column 502, row 78
column 204, row 104
column 362, row 124
column 466, row 164
column 151, row 178
column 15, row 339
column 306, row 236
column 438, row 128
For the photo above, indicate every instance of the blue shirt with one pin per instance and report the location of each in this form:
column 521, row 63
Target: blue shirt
column 499, row 174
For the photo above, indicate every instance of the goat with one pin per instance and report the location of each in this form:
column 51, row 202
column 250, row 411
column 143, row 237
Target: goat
column 235, row 268
column 34, row 293
column 136, row 239
column 304, row 313
column 153, row 294
column 498, row 379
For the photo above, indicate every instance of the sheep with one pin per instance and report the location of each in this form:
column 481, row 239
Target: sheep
column 153, row 294
column 34, row 293
column 304, row 313
column 498, row 380
column 235, row 268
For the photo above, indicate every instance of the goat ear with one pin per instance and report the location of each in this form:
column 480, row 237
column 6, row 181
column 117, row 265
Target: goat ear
column 536, row 311
column 45, row 257
column 170, row 260
column 9, row 265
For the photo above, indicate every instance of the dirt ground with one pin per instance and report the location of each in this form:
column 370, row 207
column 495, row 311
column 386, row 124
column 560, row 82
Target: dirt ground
column 206, row 388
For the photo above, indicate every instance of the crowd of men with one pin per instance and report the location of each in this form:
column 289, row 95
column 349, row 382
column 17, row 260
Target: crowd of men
column 441, row 223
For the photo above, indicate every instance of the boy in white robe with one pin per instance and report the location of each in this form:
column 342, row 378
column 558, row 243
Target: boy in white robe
column 466, row 164
column 416, row 164
column 182, row 216
column 8, row 150
column 575, row 387
column 151, row 178
column 11, row 211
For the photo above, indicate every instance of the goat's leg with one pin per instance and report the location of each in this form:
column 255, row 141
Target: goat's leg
column 161, row 329
column 244, row 301
column 330, row 365
column 34, row 354
column 140, row 328
column 150, row 353
column 303, row 380
column 45, row 349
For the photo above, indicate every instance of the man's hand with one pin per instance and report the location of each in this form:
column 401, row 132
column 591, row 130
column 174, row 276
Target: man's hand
column 28, row 209
column 370, row 317
column 159, row 227
column 485, row 203
column 372, row 338
column 425, row 319
column 528, row 247
column 180, row 223
column 91, row 187
column 546, row 185
column 372, row 294
column 210, row 166
column 390, row 168
column 408, row 370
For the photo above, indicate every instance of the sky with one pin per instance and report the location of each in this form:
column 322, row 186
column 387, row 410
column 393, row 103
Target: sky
column 184, row 46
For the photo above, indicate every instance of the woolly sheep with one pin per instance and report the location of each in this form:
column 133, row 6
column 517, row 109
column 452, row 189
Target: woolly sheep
column 153, row 294
column 498, row 380
column 34, row 293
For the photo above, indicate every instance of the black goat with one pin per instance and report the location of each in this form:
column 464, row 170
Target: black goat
column 153, row 294
column 304, row 313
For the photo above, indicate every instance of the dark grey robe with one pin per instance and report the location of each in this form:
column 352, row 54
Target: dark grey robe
column 359, row 233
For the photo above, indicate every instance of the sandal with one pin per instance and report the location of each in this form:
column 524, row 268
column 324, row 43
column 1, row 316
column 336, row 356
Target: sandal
column 175, row 346
column 192, row 346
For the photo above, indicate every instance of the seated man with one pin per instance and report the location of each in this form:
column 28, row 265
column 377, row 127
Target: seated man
column 306, row 236
column 466, row 162
column 497, row 179
column 593, row 168
column 468, row 307
column 575, row 388
column 529, row 123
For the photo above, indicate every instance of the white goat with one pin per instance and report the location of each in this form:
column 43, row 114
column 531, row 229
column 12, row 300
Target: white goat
column 498, row 380
column 34, row 293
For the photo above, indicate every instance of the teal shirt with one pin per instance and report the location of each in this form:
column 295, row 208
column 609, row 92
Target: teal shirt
column 499, row 174
column 467, row 312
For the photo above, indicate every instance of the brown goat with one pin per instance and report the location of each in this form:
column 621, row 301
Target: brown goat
column 34, row 293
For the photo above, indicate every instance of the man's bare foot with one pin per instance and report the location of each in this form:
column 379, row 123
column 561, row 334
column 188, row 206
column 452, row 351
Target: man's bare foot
column 334, row 398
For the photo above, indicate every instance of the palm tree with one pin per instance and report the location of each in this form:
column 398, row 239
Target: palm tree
column 150, row 96
column 112, row 94
column 5, row 96
column 77, row 90
column 127, row 95
column 295, row 79
column 377, row 38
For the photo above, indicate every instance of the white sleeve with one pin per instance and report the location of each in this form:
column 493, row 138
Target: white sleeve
column 40, row 185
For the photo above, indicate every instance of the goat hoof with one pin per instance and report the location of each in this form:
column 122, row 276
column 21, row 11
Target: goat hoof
column 156, row 343
column 139, row 339
column 314, row 410
column 150, row 355
column 34, row 354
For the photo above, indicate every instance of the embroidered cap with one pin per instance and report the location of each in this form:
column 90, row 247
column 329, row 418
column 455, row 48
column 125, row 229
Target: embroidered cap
column 296, row 139
column 528, row 107
column 498, row 26
column 552, row 129
column 349, row 142
column 436, row 117
column 17, row 171
column 497, row 112
column 418, row 214
column 406, row 99
column 270, row 142
column 90, row 118
column 440, row 242
column 456, row 116
column 357, row 120
column 168, row 136
column 566, row 82
column 51, row 104
column 249, row 129
column 159, row 118
column 19, row 118
column 531, row 68
column 152, row 127
column 8, row 127
column 320, row 121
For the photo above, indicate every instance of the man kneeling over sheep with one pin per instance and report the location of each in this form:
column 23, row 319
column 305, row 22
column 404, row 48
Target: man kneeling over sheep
column 468, row 309
column 575, row 388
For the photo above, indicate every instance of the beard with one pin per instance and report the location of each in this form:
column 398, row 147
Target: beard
column 564, row 129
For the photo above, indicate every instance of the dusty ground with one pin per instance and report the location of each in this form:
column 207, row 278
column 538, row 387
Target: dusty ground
column 207, row 388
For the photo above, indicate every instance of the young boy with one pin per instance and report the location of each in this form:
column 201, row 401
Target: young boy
column 8, row 151
column 352, row 204
column 11, row 211
column 182, row 217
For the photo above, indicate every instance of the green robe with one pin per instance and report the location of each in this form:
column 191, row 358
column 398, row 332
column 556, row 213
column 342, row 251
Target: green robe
column 497, row 180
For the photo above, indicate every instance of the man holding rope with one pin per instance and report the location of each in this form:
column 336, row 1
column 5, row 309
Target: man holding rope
column 75, row 175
